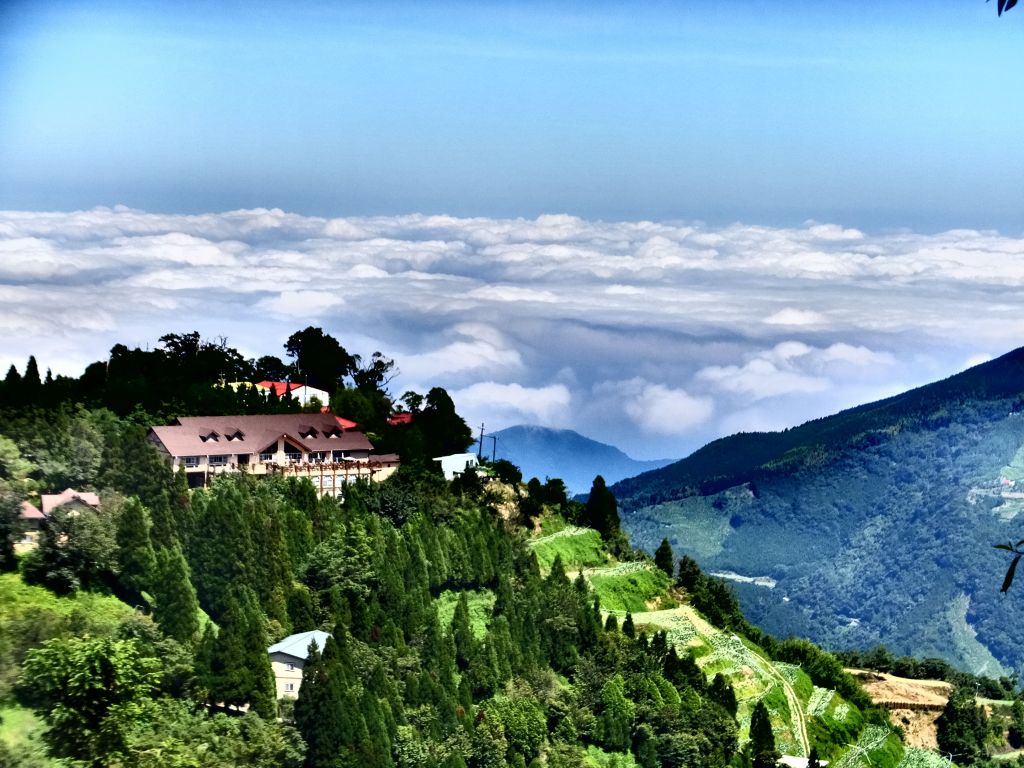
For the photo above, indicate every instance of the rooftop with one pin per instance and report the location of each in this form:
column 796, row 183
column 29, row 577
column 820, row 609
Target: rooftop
column 50, row 501
column 216, row 435
column 298, row 645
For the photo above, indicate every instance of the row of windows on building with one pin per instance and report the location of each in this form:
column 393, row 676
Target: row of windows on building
column 315, row 457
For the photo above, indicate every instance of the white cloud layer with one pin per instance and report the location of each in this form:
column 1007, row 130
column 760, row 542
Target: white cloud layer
column 653, row 336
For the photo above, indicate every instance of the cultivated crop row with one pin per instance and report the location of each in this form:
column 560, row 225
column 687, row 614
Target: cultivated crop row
column 819, row 701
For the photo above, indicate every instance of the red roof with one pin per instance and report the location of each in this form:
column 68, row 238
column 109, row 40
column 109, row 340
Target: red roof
column 343, row 423
column 280, row 387
column 400, row 418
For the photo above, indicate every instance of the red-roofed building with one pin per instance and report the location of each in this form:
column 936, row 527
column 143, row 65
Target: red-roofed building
column 403, row 417
column 299, row 392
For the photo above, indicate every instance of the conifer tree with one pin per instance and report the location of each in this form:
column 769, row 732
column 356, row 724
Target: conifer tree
column 617, row 718
column 812, row 759
column 176, row 609
column 12, row 382
column 301, row 613
column 318, row 710
column 135, row 468
column 223, row 553
column 181, row 508
column 762, row 739
column 663, row 557
column 462, row 633
column 31, row 383
column 241, row 672
column 135, row 558
column 689, row 573
column 628, row 629
column 722, row 692
column 602, row 511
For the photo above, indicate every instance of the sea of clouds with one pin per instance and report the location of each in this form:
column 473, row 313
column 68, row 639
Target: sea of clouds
column 652, row 336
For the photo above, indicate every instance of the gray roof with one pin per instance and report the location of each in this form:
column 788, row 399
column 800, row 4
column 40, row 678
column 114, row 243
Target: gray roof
column 298, row 645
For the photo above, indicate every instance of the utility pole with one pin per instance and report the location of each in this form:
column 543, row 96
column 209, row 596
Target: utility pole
column 480, row 450
column 494, row 447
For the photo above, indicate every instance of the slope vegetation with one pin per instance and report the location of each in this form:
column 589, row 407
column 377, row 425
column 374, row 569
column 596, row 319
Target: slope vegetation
column 802, row 713
column 874, row 525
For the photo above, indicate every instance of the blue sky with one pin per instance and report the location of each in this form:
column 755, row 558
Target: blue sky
column 654, row 225
column 877, row 115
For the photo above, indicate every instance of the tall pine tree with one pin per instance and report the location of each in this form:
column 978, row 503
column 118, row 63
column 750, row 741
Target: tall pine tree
column 240, row 667
column 176, row 609
column 663, row 557
column 602, row 511
column 135, row 558
column 762, row 739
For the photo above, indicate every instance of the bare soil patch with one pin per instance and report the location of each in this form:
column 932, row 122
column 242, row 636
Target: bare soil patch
column 919, row 726
column 889, row 688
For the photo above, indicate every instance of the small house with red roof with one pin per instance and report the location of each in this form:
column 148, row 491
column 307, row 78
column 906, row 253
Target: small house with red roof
column 300, row 392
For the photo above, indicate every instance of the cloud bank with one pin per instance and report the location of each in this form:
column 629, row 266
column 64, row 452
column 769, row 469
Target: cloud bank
column 653, row 336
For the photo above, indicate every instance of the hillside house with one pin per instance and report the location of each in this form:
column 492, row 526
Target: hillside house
column 319, row 446
column 50, row 501
column 32, row 522
column 456, row 464
column 33, row 518
column 288, row 657
column 299, row 392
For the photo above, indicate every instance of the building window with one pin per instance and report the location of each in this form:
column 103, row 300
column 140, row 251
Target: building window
column 266, row 457
column 218, row 461
column 290, row 667
column 191, row 461
column 339, row 456
column 317, row 456
column 289, row 687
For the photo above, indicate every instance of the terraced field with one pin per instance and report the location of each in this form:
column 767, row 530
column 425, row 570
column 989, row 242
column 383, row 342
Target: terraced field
column 752, row 675
column 795, row 704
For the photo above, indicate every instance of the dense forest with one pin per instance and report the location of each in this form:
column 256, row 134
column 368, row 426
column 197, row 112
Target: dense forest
column 479, row 622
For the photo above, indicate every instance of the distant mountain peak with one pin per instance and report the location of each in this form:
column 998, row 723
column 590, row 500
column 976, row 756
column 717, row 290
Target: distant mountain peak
column 546, row 452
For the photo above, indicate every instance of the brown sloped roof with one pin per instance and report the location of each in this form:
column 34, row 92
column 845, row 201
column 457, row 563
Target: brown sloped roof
column 50, row 501
column 29, row 511
column 185, row 437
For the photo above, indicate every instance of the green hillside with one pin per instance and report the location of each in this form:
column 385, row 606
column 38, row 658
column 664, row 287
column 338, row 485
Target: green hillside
column 802, row 713
column 872, row 526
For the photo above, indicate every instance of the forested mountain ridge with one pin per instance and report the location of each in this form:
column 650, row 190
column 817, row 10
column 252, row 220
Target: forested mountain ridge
column 873, row 525
column 747, row 456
